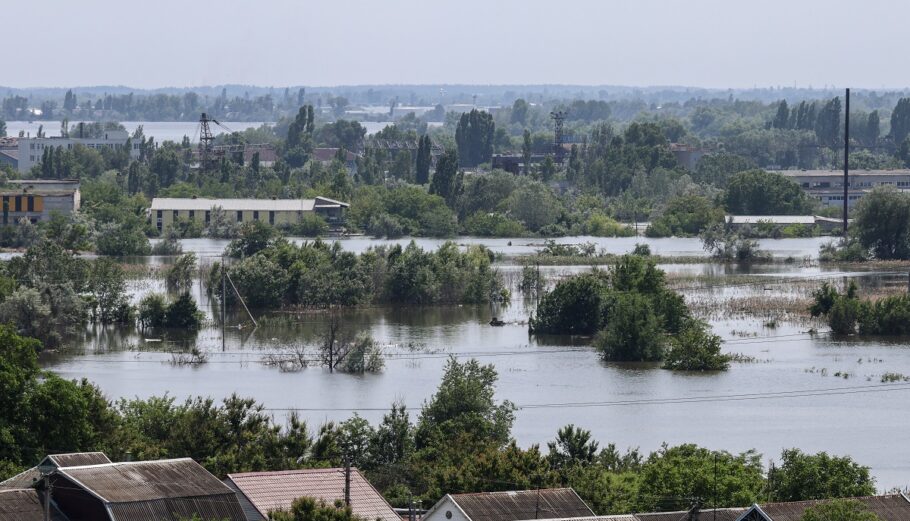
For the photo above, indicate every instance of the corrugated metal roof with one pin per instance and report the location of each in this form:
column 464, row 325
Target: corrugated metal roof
column 24, row 479
column 20, row 505
column 616, row 517
column 269, row 491
column 550, row 503
column 77, row 459
column 147, row 480
column 722, row 514
column 840, row 173
column 202, row 204
column 208, row 508
column 773, row 219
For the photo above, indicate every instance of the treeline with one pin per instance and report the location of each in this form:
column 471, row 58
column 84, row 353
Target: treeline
column 50, row 294
column 460, row 441
column 274, row 273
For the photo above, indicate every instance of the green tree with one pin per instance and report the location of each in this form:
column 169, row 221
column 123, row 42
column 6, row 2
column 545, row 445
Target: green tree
column 254, row 236
column 801, row 477
column 519, row 114
column 757, row 192
column 873, row 128
column 575, row 306
column 573, row 446
column 633, row 332
column 900, row 121
column 695, row 348
column 474, row 138
column 882, row 223
column 446, row 182
column 422, row 170
column 828, row 123
column 782, row 118
column 526, row 151
column 463, row 408
column 685, row 215
column 839, row 510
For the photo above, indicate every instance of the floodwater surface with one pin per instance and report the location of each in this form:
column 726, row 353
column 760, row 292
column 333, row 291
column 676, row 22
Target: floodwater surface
column 793, row 393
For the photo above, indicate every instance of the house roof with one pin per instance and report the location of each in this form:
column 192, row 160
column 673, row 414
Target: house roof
column 268, row 491
column 154, row 490
column 28, row 477
column 553, row 503
column 722, row 514
column 146, row 480
column 328, row 154
column 20, row 505
column 230, row 205
column 840, row 173
column 894, row 507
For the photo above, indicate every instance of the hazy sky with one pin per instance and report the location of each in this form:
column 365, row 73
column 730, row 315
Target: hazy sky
column 708, row 43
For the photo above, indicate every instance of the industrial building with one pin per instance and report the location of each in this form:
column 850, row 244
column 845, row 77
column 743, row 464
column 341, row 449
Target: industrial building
column 828, row 185
column 36, row 199
column 30, row 149
column 277, row 212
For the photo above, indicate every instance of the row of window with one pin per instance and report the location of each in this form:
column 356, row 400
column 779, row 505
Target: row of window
column 175, row 214
column 23, row 203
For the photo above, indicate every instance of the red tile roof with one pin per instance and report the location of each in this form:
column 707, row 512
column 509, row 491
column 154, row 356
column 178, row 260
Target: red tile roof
column 269, row 491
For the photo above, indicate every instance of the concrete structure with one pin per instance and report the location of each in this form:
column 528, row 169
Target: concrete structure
column 686, row 155
column 36, row 199
column 824, row 223
column 553, row 503
column 31, row 148
column 828, row 185
column 277, row 212
column 263, row 492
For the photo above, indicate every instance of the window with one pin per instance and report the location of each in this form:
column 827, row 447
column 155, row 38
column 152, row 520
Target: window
column 176, row 214
column 272, row 218
column 30, row 201
column 192, row 214
column 208, row 216
column 239, row 216
column 255, row 215
column 18, row 203
column 159, row 217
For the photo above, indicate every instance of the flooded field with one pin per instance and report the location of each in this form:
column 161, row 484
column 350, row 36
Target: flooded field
column 800, row 388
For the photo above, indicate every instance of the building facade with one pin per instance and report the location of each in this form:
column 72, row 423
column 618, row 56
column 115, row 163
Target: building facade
column 37, row 199
column 828, row 185
column 276, row 212
column 31, row 148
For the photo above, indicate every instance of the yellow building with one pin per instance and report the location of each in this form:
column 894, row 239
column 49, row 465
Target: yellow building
column 164, row 211
column 35, row 199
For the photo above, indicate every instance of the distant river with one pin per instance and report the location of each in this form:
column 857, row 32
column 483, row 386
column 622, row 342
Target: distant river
column 163, row 130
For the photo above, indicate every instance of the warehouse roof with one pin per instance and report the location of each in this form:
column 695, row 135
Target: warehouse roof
column 268, row 491
column 20, row 505
column 773, row 219
column 263, row 205
column 553, row 503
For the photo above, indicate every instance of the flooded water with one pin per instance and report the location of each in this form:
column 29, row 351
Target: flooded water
column 798, row 249
column 556, row 381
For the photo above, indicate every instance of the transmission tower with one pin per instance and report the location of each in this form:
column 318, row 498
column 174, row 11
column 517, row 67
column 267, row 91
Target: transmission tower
column 206, row 139
column 559, row 119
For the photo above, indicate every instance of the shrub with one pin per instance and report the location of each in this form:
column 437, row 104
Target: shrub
column 483, row 224
column 310, row 225
column 600, row 225
column 152, row 309
column 695, row 348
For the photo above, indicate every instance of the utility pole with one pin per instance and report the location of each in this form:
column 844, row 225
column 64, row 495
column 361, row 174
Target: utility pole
column 47, row 497
column 347, row 479
column 846, row 159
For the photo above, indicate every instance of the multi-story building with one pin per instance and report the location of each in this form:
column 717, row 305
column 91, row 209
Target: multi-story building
column 31, row 148
column 277, row 212
column 36, row 199
column 828, row 185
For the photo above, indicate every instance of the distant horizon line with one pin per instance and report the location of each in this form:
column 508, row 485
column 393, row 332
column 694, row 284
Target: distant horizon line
column 809, row 88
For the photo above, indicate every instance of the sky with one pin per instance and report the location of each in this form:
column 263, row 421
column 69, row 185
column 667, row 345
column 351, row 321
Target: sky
column 699, row 43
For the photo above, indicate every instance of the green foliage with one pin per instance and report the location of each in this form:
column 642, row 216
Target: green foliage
column 728, row 245
column 839, row 510
column 474, row 137
column 599, row 224
column 152, row 309
column 121, row 240
column 576, row 306
column 534, row 205
column 572, row 447
column 633, row 332
column 404, row 210
column 447, row 181
column 182, row 313
column 254, row 237
column 109, row 303
column 685, row 216
column 309, row 509
column 881, row 223
column 688, row 471
column 341, row 134
column 695, row 348
column 756, row 192
column 179, row 277
column 169, row 244
column 886, row 316
column 801, row 477
column 310, row 225
column 483, row 224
